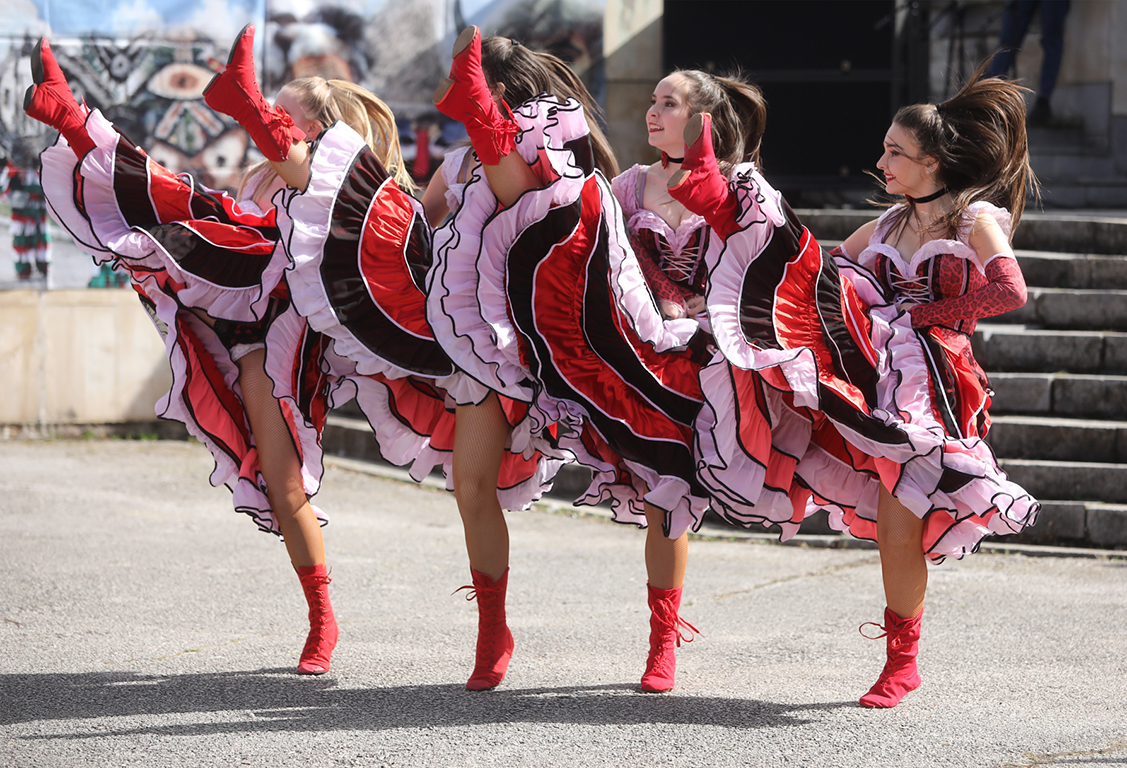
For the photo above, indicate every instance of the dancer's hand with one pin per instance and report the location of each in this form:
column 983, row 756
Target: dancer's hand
column 670, row 311
column 695, row 305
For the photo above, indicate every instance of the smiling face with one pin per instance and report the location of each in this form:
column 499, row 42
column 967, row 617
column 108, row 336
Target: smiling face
column 906, row 170
column 668, row 114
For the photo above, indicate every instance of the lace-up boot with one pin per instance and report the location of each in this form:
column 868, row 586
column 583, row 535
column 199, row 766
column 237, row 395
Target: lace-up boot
column 50, row 101
column 465, row 97
column 494, row 640
column 665, row 637
column 323, row 631
column 699, row 185
column 234, row 92
column 900, row 674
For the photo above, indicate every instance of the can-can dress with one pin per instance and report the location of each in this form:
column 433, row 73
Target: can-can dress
column 544, row 303
column 826, row 391
column 361, row 249
column 211, row 271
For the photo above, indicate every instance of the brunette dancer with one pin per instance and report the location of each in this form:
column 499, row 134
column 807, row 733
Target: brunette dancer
column 854, row 381
column 670, row 242
column 536, row 295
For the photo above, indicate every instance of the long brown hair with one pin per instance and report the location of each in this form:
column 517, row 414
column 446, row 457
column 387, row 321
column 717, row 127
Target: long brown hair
column 328, row 101
column 977, row 138
column 739, row 114
column 526, row 73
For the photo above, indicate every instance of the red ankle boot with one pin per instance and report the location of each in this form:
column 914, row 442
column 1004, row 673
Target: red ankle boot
column 665, row 637
column 494, row 640
column 234, row 92
column 323, row 631
column 899, row 675
column 50, row 101
column 699, row 185
column 465, row 96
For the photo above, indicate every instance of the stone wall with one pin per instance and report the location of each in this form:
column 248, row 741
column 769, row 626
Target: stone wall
column 78, row 357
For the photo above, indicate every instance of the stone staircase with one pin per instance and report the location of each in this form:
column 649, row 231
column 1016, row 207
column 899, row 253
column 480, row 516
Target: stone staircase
column 1058, row 366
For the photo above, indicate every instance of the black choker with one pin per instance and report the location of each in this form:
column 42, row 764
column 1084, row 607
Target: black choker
column 666, row 160
column 928, row 199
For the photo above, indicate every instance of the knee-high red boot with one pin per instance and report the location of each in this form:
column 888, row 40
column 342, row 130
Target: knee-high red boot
column 494, row 640
column 699, row 185
column 50, row 101
column 234, row 92
column 323, row 631
column 900, row 674
column 465, row 97
column 665, row 638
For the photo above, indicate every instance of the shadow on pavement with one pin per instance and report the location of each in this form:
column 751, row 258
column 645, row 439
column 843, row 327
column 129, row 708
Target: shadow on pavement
column 278, row 700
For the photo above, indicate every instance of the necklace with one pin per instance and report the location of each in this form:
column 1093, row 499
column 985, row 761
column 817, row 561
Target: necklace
column 928, row 199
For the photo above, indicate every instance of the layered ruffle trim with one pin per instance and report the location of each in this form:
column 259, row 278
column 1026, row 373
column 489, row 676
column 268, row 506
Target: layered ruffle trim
column 769, row 465
column 206, row 399
column 467, row 304
column 307, row 224
column 624, row 483
column 101, row 229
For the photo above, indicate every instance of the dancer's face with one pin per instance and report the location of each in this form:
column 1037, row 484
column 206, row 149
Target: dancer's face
column 906, row 170
column 288, row 101
column 668, row 114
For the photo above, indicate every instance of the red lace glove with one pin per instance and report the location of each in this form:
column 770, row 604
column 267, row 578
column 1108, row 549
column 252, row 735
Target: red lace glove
column 1005, row 291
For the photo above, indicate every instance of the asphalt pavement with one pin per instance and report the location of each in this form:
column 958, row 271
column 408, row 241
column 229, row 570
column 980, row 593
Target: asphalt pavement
column 147, row 624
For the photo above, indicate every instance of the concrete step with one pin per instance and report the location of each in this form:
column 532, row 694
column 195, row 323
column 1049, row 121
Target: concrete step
column 1055, row 232
column 1019, row 348
column 1057, row 439
column 1054, row 168
column 1072, row 270
column 1060, row 394
column 1072, row 309
column 1074, row 480
column 1077, row 523
column 1075, row 194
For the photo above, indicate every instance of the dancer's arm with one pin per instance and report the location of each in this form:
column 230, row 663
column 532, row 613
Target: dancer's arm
column 1005, row 292
column 294, row 170
column 434, row 198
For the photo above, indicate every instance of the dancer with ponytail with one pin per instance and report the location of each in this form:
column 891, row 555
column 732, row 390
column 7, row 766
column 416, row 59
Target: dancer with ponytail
column 251, row 378
column 670, row 241
column 852, row 374
column 537, row 297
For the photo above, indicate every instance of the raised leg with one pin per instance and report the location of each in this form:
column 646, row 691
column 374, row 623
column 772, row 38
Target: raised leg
column 699, row 185
column 50, row 101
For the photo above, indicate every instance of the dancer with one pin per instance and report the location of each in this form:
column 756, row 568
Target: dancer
column 536, row 295
column 670, row 242
column 871, row 405
column 251, row 379
column 360, row 249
